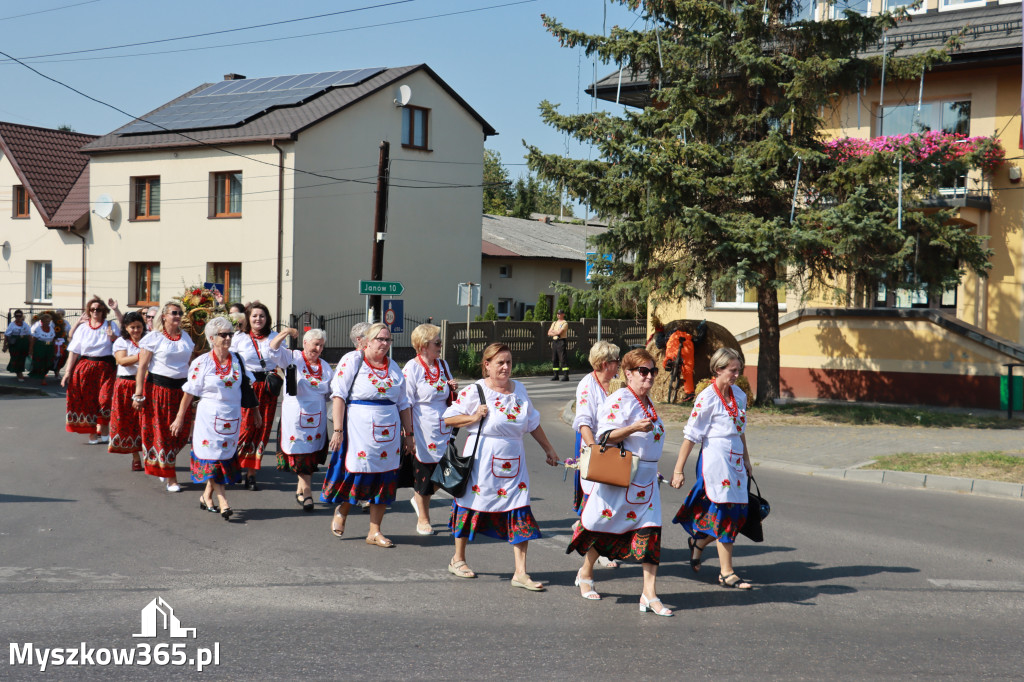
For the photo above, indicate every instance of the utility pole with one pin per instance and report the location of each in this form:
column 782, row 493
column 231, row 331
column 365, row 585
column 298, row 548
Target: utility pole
column 380, row 227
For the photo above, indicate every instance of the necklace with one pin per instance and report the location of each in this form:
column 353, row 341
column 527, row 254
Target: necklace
column 379, row 372
column 132, row 341
column 734, row 410
column 651, row 414
column 257, row 336
column 172, row 338
column 221, row 370
column 310, row 374
column 96, row 327
column 604, row 390
column 431, row 378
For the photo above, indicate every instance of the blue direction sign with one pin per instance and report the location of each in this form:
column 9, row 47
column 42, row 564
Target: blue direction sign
column 369, row 287
column 394, row 315
column 593, row 260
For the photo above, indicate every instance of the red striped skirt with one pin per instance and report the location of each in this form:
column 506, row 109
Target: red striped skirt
column 252, row 440
column 90, row 392
column 159, row 411
column 125, row 420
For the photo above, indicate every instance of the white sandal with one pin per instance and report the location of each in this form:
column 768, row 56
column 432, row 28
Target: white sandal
column 646, row 606
column 591, row 594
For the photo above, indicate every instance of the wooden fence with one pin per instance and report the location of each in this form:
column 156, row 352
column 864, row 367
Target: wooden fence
column 529, row 341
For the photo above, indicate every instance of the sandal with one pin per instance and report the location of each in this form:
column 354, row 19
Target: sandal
column 607, row 563
column 425, row 529
column 694, row 549
column 591, row 593
column 648, row 605
column 307, row 505
column 338, row 532
column 298, row 499
column 208, row 507
column 739, row 583
column 378, row 540
column 523, row 580
column 460, row 569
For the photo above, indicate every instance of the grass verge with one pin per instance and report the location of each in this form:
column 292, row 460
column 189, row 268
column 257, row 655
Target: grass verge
column 990, row 466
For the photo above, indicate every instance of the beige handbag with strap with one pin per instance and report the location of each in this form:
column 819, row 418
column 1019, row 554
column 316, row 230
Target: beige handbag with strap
column 608, row 464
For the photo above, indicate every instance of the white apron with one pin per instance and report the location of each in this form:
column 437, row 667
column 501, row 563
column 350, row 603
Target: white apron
column 589, row 396
column 428, row 405
column 372, row 431
column 499, row 481
column 611, row 509
column 219, row 413
column 303, row 424
column 719, row 435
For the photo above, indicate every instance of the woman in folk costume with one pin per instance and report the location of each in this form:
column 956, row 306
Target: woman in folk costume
column 16, row 342
column 497, row 497
column 125, row 421
column 717, row 506
column 257, row 345
column 40, row 347
column 164, row 357
column 371, row 411
column 303, row 427
column 216, row 379
column 625, row 523
column 428, row 384
column 89, row 377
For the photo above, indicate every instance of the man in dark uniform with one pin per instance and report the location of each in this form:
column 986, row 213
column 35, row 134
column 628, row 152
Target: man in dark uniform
column 559, row 332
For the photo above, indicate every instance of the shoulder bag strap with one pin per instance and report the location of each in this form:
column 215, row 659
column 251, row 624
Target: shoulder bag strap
column 362, row 357
column 259, row 355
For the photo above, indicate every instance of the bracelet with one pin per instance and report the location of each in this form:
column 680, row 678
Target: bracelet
column 338, row 430
column 138, row 398
column 679, row 472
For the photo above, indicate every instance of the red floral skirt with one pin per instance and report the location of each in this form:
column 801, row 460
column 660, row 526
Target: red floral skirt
column 90, row 391
column 252, row 440
column 643, row 545
column 159, row 411
column 518, row 525
column 220, row 471
column 304, row 464
column 125, row 420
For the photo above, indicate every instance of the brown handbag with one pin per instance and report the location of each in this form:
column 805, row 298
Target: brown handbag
column 608, row 464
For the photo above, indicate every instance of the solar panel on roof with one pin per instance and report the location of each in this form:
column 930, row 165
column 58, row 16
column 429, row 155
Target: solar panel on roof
column 230, row 103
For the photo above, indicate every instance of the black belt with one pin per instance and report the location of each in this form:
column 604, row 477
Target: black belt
column 165, row 382
column 109, row 359
column 126, row 377
column 260, row 376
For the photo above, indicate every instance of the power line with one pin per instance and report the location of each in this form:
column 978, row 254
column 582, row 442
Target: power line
column 44, row 11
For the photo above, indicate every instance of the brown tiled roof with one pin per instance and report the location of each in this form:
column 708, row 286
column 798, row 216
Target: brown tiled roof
column 73, row 213
column 48, row 163
column 280, row 124
column 489, row 249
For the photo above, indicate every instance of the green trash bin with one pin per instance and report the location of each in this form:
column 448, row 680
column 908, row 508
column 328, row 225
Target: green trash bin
column 1018, row 393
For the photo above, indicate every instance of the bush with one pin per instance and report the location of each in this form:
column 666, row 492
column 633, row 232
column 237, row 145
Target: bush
column 542, row 312
column 490, row 314
column 563, row 303
column 528, row 316
column 469, row 362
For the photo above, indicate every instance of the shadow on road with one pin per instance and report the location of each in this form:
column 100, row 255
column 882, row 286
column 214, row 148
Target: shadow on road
column 31, row 498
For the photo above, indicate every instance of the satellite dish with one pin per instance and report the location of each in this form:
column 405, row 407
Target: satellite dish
column 403, row 95
column 104, row 206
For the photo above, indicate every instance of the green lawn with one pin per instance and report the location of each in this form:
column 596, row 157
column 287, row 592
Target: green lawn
column 992, row 466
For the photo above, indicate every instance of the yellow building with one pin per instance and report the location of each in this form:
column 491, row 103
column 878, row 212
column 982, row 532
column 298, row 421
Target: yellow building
column 907, row 347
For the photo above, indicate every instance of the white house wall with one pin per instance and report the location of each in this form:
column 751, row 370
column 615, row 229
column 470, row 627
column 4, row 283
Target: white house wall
column 529, row 278
column 184, row 239
column 31, row 241
column 433, row 239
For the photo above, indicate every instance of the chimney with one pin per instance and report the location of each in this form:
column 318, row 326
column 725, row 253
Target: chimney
column 234, row 77
column 546, row 220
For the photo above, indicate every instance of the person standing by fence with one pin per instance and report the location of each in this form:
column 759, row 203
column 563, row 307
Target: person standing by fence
column 559, row 333
column 16, row 341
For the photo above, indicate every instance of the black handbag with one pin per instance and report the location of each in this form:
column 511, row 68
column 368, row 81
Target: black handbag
column 274, row 381
column 249, row 399
column 291, row 383
column 452, row 472
column 757, row 511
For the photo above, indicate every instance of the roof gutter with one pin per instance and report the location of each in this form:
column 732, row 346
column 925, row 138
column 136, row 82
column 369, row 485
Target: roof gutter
column 280, row 228
column 82, row 237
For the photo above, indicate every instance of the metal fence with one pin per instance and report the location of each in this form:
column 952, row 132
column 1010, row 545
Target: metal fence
column 338, row 326
column 529, row 341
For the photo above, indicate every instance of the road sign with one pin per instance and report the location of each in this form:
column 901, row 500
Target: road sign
column 468, row 294
column 369, row 287
column 394, row 314
column 593, row 260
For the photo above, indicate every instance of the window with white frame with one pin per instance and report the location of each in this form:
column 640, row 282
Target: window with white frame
column 950, row 116
column 838, row 9
column 504, row 308
column 40, row 284
column 733, row 294
column 948, row 5
column 893, row 5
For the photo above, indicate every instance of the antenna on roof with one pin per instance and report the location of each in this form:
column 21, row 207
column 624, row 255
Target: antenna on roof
column 104, row 206
column 403, row 95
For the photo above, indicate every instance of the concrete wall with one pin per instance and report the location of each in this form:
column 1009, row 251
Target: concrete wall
column 433, row 240
column 529, row 277
column 30, row 241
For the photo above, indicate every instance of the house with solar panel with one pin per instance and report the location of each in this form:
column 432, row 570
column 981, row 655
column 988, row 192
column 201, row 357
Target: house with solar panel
column 268, row 186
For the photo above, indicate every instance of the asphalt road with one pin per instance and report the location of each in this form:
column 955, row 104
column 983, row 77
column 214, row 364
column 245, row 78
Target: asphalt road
column 853, row 581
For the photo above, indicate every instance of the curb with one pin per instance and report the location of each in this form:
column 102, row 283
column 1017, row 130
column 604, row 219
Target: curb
column 904, row 479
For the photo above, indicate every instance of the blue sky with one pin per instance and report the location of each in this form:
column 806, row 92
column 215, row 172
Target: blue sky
column 499, row 59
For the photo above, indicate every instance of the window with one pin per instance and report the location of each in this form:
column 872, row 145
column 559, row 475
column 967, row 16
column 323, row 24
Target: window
column 733, row 294
column 565, row 275
column 147, row 284
column 145, row 198
column 803, row 10
column 227, row 195
column 414, row 127
column 504, row 271
column 21, row 202
column 504, row 308
column 947, row 5
column 948, row 116
column 893, row 5
column 41, row 284
column 859, row 6
column 230, row 275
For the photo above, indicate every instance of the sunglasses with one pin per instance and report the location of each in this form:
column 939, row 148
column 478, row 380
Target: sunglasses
column 646, row 371
column 174, row 313
column 224, row 335
column 382, row 339
column 95, row 310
